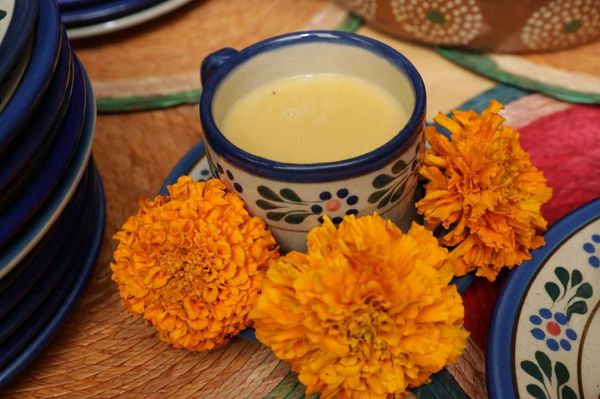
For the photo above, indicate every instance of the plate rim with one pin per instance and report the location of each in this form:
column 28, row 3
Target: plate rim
column 57, row 319
column 69, row 4
column 65, row 148
column 54, row 272
column 59, row 198
column 184, row 165
column 104, row 11
column 499, row 355
column 127, row 21
column 19, row 30
column 12, row 80
column 57, row 96
column 45, row 55
column 27, row 274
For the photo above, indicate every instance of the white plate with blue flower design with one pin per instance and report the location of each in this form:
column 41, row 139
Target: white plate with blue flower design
column 545, row 332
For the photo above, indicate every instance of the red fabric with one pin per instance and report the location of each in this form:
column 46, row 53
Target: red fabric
column 566, row 147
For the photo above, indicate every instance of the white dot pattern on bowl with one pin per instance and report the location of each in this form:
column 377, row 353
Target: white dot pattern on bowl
column 362, row 8
column 439, row 21
column 562, row 23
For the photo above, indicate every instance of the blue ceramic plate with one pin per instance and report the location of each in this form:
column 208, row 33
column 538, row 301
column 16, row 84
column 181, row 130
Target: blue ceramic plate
column 36, row 79
column 67, row 4
column 13, row 79
column 52, row 108
column 31, row 233
column 544, row 338
column 45, row 322
column 17, row 18
column 16, row 214
column 19, row 281
column 105, row 11
column 67, row 246
column 127, row 21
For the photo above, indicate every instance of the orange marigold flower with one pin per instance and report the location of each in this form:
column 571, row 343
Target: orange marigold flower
column 483, row 188
column 366, row 312
column 192, row 263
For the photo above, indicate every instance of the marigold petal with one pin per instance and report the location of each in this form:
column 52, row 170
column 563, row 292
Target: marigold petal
column 483, row 189
column 360, row 314
column 192, row 263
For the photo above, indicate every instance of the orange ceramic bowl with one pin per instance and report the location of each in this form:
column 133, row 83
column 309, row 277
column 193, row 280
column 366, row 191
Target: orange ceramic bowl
column 488, row 25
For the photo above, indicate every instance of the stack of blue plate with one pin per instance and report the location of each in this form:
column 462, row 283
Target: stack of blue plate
column 84, row 18
column 51, row 198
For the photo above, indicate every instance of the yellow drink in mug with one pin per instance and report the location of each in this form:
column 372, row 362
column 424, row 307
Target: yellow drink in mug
column 315, row 118
column 312, row 124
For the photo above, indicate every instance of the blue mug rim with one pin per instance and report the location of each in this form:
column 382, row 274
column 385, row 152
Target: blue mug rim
column 313, row 172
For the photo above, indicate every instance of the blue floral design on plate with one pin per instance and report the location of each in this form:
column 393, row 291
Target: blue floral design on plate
column 591, row 247
column 553, row 329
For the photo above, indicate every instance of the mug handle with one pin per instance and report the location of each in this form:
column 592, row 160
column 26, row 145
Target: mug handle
column 213, row 61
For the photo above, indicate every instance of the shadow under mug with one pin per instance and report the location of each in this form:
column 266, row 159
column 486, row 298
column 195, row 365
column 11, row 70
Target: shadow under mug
column 294, row 198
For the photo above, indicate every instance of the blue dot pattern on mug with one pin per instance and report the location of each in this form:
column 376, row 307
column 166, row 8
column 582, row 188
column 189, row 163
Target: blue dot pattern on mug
column 231, row 183
column 334, row 204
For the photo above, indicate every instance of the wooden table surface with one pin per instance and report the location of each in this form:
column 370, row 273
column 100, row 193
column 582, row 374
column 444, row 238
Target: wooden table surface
column 102, row 351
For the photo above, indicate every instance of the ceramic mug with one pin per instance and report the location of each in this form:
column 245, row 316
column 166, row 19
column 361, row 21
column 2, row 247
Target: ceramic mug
column 294, row 198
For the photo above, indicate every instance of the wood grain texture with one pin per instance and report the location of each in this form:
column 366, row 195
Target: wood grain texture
column 101, row 351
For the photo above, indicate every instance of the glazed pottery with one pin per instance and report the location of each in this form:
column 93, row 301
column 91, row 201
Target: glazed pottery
column 12, row 81
column 30, row 146
column 545, row 332
column 37, row 76
column 293, row 198
column 114, row 23
column 489, row 25
column 22, row 309
column 103, row 11
column 17, row 19
column 66, row 4
column 18, row 283
column 40, row 186
column 37, row 331
column 52, row 207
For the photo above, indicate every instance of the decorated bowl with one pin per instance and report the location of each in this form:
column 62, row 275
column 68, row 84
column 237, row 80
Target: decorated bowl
column 488, row 25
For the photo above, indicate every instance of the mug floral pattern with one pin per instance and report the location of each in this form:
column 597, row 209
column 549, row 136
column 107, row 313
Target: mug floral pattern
column 286, row 205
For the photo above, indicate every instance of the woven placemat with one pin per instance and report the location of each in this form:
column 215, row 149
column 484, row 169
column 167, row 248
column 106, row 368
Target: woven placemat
column 571, row 75
column 174, row 45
